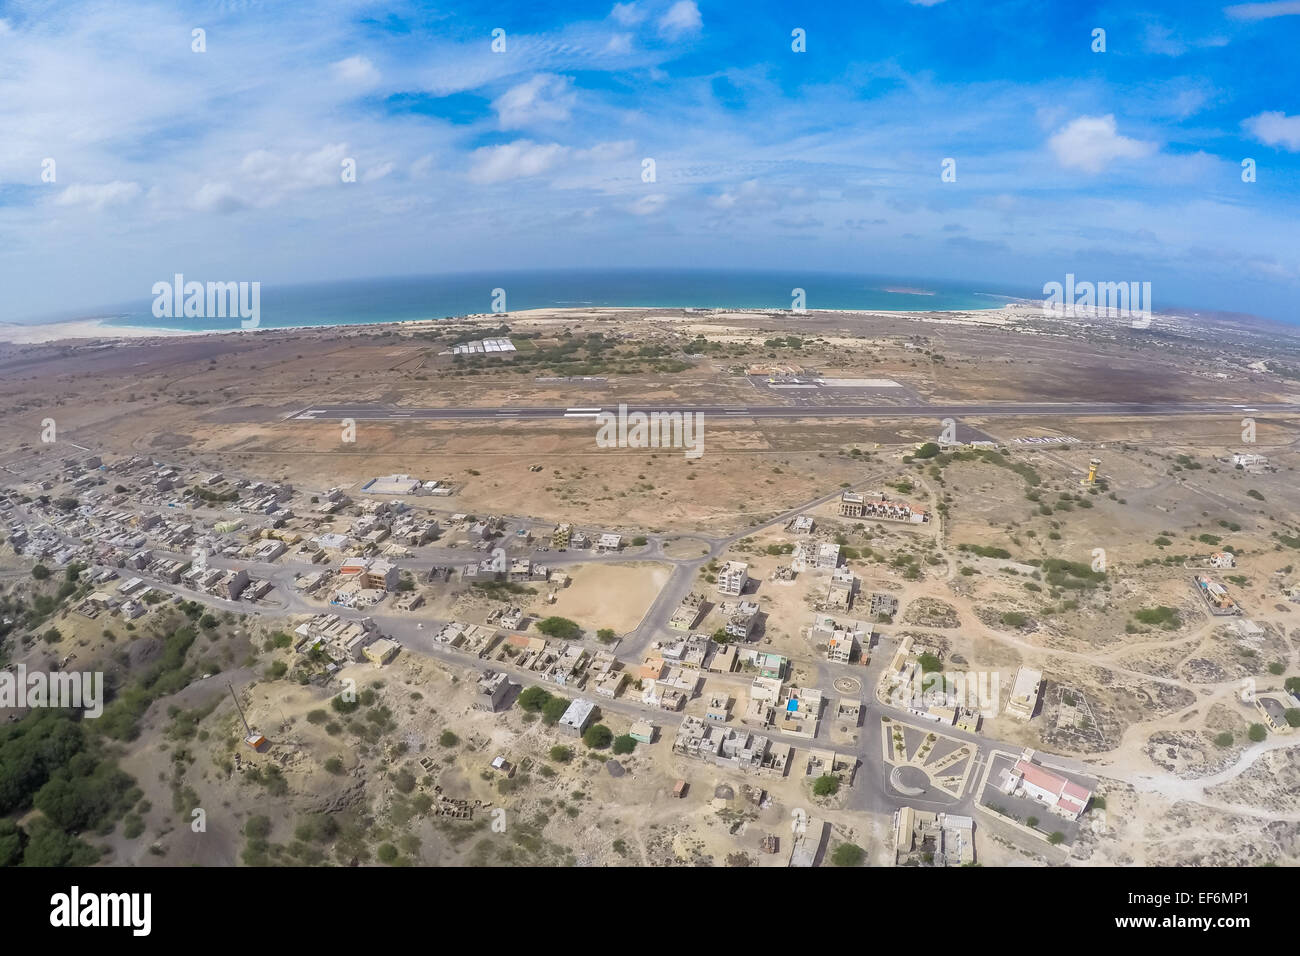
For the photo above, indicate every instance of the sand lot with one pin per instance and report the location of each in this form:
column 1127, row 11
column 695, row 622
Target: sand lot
column 616, row 596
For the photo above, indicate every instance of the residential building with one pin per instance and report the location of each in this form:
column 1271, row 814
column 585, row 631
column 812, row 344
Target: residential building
column 382, row 651
column 841, row 638
column 643, row 732
column 688, row 613
column 941, row 839
column 719, row 708
column 491, row 690
column 381, row 575
column 691, row 652
column 1024, row 693
column 343, row 640
column 851, row 504
column 742, row 621
column 799, row 710
column 577, row 717
column 1059, row 794
column 732, row 578
column 841, row 588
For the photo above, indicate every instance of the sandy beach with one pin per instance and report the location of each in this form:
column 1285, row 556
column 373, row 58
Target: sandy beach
column 79, row 329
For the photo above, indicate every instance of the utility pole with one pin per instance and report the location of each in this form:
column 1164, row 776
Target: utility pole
column 238, row 708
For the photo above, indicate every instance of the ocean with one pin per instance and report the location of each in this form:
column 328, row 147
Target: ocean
column 369, row 301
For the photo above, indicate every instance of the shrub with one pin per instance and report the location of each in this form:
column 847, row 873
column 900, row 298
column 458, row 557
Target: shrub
column 827, row 785
column 848, row 854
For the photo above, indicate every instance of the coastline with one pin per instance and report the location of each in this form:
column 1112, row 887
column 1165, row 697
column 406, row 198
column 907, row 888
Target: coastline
column 79, row 329
column 39, row 334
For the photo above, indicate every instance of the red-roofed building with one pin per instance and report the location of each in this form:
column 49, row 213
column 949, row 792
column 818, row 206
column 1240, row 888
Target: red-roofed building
column 1061, row 795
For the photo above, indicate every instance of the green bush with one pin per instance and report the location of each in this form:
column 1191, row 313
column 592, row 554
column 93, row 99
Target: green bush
column 827, row 785
column 848, row 854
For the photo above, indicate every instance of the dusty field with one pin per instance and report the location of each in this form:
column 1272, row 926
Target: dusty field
column 611, row 596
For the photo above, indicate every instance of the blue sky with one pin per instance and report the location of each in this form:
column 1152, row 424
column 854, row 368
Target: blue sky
column 226, row 164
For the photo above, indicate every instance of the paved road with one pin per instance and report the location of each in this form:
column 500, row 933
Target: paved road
column 373, row 412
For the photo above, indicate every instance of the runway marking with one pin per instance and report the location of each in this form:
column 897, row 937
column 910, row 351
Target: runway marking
column 596, row 409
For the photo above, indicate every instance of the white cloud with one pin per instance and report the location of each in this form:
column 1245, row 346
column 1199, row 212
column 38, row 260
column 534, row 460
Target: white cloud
column 356, row 70
column 607, row 152
column 682, row 17
column 1091, row 143
column 1263, row 11
column 4, row 27
column 517, row 160
column 219, row 198
column 1275, row 128
column 620, row 44
column 98, row 195
column 288, row 172
column 648, row 205
column 543, row 98
column 375, row 173
column 749, row 196
column 627, row 14
column 925, row 3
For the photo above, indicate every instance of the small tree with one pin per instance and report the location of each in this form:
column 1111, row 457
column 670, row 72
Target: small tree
column 448, row 739
column 1223, row 740
column 561, row 754
column 553, row 710
column 624, row 744
column 1056, row 838
column 533, row 699
column 848, row 854
column 827, row 785
column 1257, row 732
column 598, row 736
column 560, row 627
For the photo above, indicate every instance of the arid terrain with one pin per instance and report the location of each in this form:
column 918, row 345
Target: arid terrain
column 1022, row 562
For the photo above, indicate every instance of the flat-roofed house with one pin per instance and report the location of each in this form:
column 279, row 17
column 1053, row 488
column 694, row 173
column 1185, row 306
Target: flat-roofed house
column 1024, row 693
column 577, row 717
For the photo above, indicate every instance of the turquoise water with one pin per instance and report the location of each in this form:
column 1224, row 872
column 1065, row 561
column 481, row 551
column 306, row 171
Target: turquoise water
column 368, row 301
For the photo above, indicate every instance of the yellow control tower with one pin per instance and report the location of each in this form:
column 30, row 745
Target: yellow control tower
column 1092, row 472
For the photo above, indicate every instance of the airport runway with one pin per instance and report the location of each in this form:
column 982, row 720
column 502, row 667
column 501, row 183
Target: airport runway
column 882, row 411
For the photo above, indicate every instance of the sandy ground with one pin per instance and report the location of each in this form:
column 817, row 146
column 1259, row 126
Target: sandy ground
column 21, row 334
column 608, row 595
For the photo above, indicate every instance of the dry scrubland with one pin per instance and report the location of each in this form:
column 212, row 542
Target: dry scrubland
column 1004, row 576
